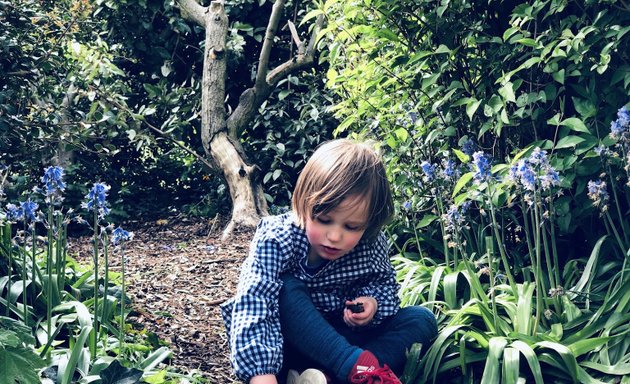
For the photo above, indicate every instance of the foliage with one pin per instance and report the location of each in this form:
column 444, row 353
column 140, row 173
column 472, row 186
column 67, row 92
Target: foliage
column 283, row 136
column 17, row 359
column 496, row 119
column 69, row 97
column 73, row 314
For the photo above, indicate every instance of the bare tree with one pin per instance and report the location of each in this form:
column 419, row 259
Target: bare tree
column 221, row 133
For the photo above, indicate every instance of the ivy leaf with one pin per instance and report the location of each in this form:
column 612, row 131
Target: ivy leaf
column 507, row 91
column 117, row 374
column 19, row 365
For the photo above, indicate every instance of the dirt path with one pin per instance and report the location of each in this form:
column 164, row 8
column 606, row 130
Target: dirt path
column 179, row 272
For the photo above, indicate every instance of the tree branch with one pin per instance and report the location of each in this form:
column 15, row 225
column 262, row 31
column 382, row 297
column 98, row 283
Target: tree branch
column 300, row 61
column 191, row 10
column 155, row 129
column 270, row 34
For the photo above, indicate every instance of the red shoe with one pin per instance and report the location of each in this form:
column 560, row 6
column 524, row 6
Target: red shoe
column 368, row 371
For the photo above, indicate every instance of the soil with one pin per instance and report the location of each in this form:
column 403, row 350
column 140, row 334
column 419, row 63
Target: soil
column 178, row 273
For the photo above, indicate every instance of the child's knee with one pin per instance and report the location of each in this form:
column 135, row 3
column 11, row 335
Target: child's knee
column 422, row 320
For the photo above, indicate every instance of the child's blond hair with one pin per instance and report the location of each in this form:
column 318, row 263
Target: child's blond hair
column 339, row 169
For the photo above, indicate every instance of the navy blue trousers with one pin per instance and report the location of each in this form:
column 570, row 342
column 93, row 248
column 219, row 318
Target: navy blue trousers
column 313, row 341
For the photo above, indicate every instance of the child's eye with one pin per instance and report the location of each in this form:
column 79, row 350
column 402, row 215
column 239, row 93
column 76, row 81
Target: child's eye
column 353, row 227
column 323, row 220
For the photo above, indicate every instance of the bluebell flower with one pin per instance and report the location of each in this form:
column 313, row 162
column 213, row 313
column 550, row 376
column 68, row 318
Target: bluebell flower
column 534, row 172
column 407, row 205
column 616, row 130
column 602, row 150
column 598, row 193
column 620, row 128
column 469, row 147
column 526, row 175
column 623, row 116
column 119, row 235
column 449, row 169
column 13, row 213
column 454, row 219
column 429, row 171
column 53, row 180
column 538, row 157
column 97, row 199
column 413, row 116
column 549, row 179
column 481, row 163
column 29, row 210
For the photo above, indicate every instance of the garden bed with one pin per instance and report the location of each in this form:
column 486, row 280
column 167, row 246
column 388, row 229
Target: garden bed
column 179, row 272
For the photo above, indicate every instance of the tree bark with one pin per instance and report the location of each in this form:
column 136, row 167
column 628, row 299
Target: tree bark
column 221, row 134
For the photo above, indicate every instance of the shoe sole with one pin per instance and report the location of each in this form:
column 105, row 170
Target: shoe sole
column 293, row 377
column 312, row 376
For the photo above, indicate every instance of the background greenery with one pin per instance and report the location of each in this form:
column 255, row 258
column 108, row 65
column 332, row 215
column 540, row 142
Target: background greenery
column 527, row 284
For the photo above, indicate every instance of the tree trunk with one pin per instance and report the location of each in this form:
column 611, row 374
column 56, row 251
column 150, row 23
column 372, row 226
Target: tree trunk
column 247, row 206
column 221, row 135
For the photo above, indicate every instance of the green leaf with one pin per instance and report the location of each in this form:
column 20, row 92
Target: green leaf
column 507, row 91
column 575, row 124
column 155, row 358
column 532, row 359
column 528, row 42
column 558, row 76
column 569, row 142
column 491, row 373
column 283, row 94
column 461, row 183
column 426, row 220
column 117, row 374
column 569, row 363
column 472, row 107
column 19, row 365
column 76, row 352
column 402, row 134
column 464, row 158
column 511, row 365
column 589, row 269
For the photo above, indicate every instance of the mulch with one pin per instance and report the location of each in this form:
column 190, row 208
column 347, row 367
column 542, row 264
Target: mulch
column 179, row 272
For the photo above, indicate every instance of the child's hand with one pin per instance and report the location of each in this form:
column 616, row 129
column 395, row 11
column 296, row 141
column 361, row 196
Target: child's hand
column 264, row 379
column 358, row 319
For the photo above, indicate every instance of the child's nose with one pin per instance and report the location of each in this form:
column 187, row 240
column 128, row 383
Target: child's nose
column 334, row 235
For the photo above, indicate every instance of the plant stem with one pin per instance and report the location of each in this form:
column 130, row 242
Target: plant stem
column 105, row 304
column 497, row 235
column 490, row 252
column 24, row 276
column 415, row 232
column 622, row 222
column 122, row 297
column 95, row 255
column 49, row 271
column 554, row 248
column 440, row 208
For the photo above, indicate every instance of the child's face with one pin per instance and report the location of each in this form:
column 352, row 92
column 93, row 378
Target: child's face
column 334, row 234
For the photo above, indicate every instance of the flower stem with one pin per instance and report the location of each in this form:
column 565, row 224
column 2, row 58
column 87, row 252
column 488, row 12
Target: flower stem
column 95, row 255
column 497, row 235
column 122, row 297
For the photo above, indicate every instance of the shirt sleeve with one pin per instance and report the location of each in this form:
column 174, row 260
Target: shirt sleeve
column 382, row 283
column 254, row 331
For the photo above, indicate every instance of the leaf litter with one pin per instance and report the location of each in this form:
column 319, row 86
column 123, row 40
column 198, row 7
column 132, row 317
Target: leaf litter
column 178, row 273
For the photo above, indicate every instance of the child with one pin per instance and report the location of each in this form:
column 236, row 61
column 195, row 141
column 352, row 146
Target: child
column 318, row 290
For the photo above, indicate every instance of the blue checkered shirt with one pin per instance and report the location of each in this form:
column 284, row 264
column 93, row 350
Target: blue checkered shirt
column 279, row 246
